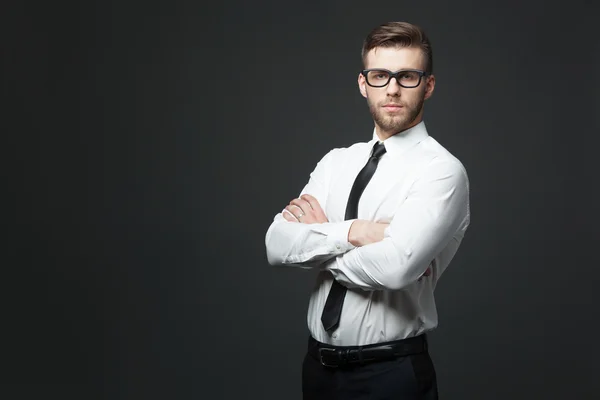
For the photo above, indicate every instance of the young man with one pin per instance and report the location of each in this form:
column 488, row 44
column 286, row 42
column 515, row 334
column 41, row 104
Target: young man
column 381, row 221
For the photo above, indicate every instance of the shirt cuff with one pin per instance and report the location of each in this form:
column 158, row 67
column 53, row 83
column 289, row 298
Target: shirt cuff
column 337, row 235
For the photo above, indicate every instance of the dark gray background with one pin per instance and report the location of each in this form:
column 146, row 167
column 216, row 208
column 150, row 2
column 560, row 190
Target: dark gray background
column 148, row 147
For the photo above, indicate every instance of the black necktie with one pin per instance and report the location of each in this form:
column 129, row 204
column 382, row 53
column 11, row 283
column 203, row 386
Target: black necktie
column 333, row 306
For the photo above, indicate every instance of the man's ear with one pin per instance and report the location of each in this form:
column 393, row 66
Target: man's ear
column 430, row 86
column 362, row 85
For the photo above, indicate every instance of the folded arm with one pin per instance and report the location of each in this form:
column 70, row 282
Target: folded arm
column 423, row 225
column 316, row 240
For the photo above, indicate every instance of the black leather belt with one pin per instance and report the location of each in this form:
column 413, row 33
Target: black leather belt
column 338, row 356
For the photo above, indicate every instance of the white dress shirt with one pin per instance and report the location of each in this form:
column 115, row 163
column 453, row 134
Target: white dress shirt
column 422, row 191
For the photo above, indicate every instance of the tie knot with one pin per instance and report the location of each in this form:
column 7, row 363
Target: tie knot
column 378, row 150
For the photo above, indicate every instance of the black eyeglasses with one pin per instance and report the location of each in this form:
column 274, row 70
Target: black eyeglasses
column 407, row 78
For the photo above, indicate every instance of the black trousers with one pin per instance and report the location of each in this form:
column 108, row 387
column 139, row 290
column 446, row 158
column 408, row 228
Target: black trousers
column 409, row 377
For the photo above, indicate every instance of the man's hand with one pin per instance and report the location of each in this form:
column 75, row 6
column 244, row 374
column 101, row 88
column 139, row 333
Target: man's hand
column 365, row 232
column 425, row 274
column 306, row 209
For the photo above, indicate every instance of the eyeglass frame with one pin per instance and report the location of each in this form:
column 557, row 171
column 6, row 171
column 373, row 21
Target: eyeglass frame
column 396, row 74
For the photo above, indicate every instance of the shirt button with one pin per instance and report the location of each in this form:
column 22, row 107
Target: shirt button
column 335, row 335
column 337, row 246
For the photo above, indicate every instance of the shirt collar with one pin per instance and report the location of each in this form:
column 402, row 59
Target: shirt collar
column 404, row 140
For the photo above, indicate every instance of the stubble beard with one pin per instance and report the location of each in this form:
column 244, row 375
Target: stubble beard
column 394, row 123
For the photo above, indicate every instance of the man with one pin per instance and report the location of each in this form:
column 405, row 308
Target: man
column 381, row 221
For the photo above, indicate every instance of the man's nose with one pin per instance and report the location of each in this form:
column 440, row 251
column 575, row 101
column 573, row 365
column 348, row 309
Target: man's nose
column 393, row 87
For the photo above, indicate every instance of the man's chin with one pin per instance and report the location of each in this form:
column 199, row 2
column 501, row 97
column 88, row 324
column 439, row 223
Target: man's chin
column 393, row 125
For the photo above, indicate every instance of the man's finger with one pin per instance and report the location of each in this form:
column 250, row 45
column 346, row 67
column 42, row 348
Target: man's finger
column 289, row 216
column 312, row 202
column 295, row 210
column 302, row 204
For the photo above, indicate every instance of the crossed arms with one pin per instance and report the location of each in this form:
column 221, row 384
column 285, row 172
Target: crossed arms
column 368, row 254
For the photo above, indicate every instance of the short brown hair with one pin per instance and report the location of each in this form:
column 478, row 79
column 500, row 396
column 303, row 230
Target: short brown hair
column 399, row 34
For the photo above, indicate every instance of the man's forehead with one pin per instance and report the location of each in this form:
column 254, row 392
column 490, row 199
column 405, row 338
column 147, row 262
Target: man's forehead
column 401, row 57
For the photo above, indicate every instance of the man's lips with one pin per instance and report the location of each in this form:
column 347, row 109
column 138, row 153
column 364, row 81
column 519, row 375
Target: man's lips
column 392, row 106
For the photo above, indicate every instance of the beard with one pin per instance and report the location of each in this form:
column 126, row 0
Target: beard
column 397, row 122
